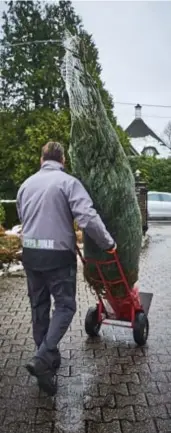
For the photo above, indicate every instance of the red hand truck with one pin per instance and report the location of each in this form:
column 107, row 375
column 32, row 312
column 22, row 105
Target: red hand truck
column 130, row 311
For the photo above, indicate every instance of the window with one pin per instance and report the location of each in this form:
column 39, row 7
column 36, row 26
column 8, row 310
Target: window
column 149, row 151
column 153, row 197
column 166, row 197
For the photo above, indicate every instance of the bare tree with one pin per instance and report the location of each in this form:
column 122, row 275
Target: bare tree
column 167, row 134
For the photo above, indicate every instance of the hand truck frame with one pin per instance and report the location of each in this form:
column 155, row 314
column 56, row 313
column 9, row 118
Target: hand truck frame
column 130, row 311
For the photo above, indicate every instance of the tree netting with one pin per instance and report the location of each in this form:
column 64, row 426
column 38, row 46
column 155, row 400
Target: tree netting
column 98, row 160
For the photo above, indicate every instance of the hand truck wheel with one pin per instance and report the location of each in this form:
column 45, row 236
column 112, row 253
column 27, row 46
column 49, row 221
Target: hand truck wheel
column 92, row 324
column 140, row 328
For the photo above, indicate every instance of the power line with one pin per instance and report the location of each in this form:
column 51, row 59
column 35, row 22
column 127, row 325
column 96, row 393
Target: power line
column 159, row 117
column 152, row 116
column 59, row 42
column 144, row 105
column 36, row 42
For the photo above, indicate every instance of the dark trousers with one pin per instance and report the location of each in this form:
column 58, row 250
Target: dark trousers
column 61, row 284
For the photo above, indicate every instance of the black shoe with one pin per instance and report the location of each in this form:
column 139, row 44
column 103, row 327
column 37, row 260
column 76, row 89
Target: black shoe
column 46, row 378
column 35, row 365
column 38, row 364
column 48, row 383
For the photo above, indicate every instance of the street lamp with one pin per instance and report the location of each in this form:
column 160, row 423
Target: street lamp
column 137, row 174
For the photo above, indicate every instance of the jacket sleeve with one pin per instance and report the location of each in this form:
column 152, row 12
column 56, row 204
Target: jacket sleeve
column 18, row 205
column 86, row 216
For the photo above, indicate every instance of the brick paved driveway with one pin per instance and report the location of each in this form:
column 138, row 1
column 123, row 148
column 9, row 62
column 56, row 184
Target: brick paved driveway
column 105, row 386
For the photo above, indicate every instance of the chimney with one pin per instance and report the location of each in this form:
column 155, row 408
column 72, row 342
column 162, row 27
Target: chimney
column 138, row 111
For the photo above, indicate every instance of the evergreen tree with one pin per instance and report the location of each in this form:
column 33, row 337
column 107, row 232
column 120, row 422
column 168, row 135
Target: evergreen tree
column 31, row 75
column 32, row 86
column 20, row 64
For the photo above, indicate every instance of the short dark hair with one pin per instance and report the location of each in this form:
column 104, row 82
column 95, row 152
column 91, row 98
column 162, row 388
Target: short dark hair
column 53, row 151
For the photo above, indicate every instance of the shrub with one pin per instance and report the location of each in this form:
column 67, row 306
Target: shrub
column 11, row 216
column 9, row 247
column 155, row 172
column 2, row 214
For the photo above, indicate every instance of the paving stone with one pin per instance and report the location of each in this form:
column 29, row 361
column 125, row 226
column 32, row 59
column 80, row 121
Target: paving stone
column 138, row 427
column 97, row 344
column 10, row 363
column 27, row 416
column 154, row 377
column 13, row 428
column 2, row 415
column 143, row 387
column 113, row 427
column 25, row 355
column 64, row 371
column 21, row 371
column 86, row 354
column 73, row 416
column 120, row 388
column 158, row 399
column 112, row 351
column 127, row 413
column 106, row 401
column 164, row 425
column 6, row 349
column 11, row 356
column 168, row 375
column 73, row 428
column 139, row 368
column 91, row 390
column 127, row 351
column 45, row 416
column 26, row 428
column 66, row 354
column 125, row 378
column 112, row 360
column 105, row 379
column 93, row 414
column 143, row 413
column 168, row 406
column 24, row 392
column 164, row 359
column 164, row 387
column 5, row 391
column 157, row 367
column 138, row 399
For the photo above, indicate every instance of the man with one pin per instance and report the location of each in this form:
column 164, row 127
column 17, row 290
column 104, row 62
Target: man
column 47, row 204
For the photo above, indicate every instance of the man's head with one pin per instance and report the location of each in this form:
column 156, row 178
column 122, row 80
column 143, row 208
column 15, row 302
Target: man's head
column 53, row 151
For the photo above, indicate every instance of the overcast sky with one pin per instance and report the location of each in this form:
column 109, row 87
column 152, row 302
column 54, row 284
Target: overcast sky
column 134, row 42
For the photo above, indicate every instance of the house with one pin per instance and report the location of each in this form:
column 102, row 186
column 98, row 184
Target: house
column 144, row 141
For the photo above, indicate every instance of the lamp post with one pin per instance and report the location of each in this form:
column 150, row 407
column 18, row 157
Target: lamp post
column 137, row 175
column 141, row 191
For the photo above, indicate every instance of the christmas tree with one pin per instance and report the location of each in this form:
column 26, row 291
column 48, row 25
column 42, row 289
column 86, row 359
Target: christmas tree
column 99, row 161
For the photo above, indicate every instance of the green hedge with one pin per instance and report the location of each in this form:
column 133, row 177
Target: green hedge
column 155, row 172
column 2, row 214
column 11, row 217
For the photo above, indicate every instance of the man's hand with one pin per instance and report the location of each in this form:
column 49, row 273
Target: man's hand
column 112, row 250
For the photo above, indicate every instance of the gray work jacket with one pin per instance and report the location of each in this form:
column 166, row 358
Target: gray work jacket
column 47, row 204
